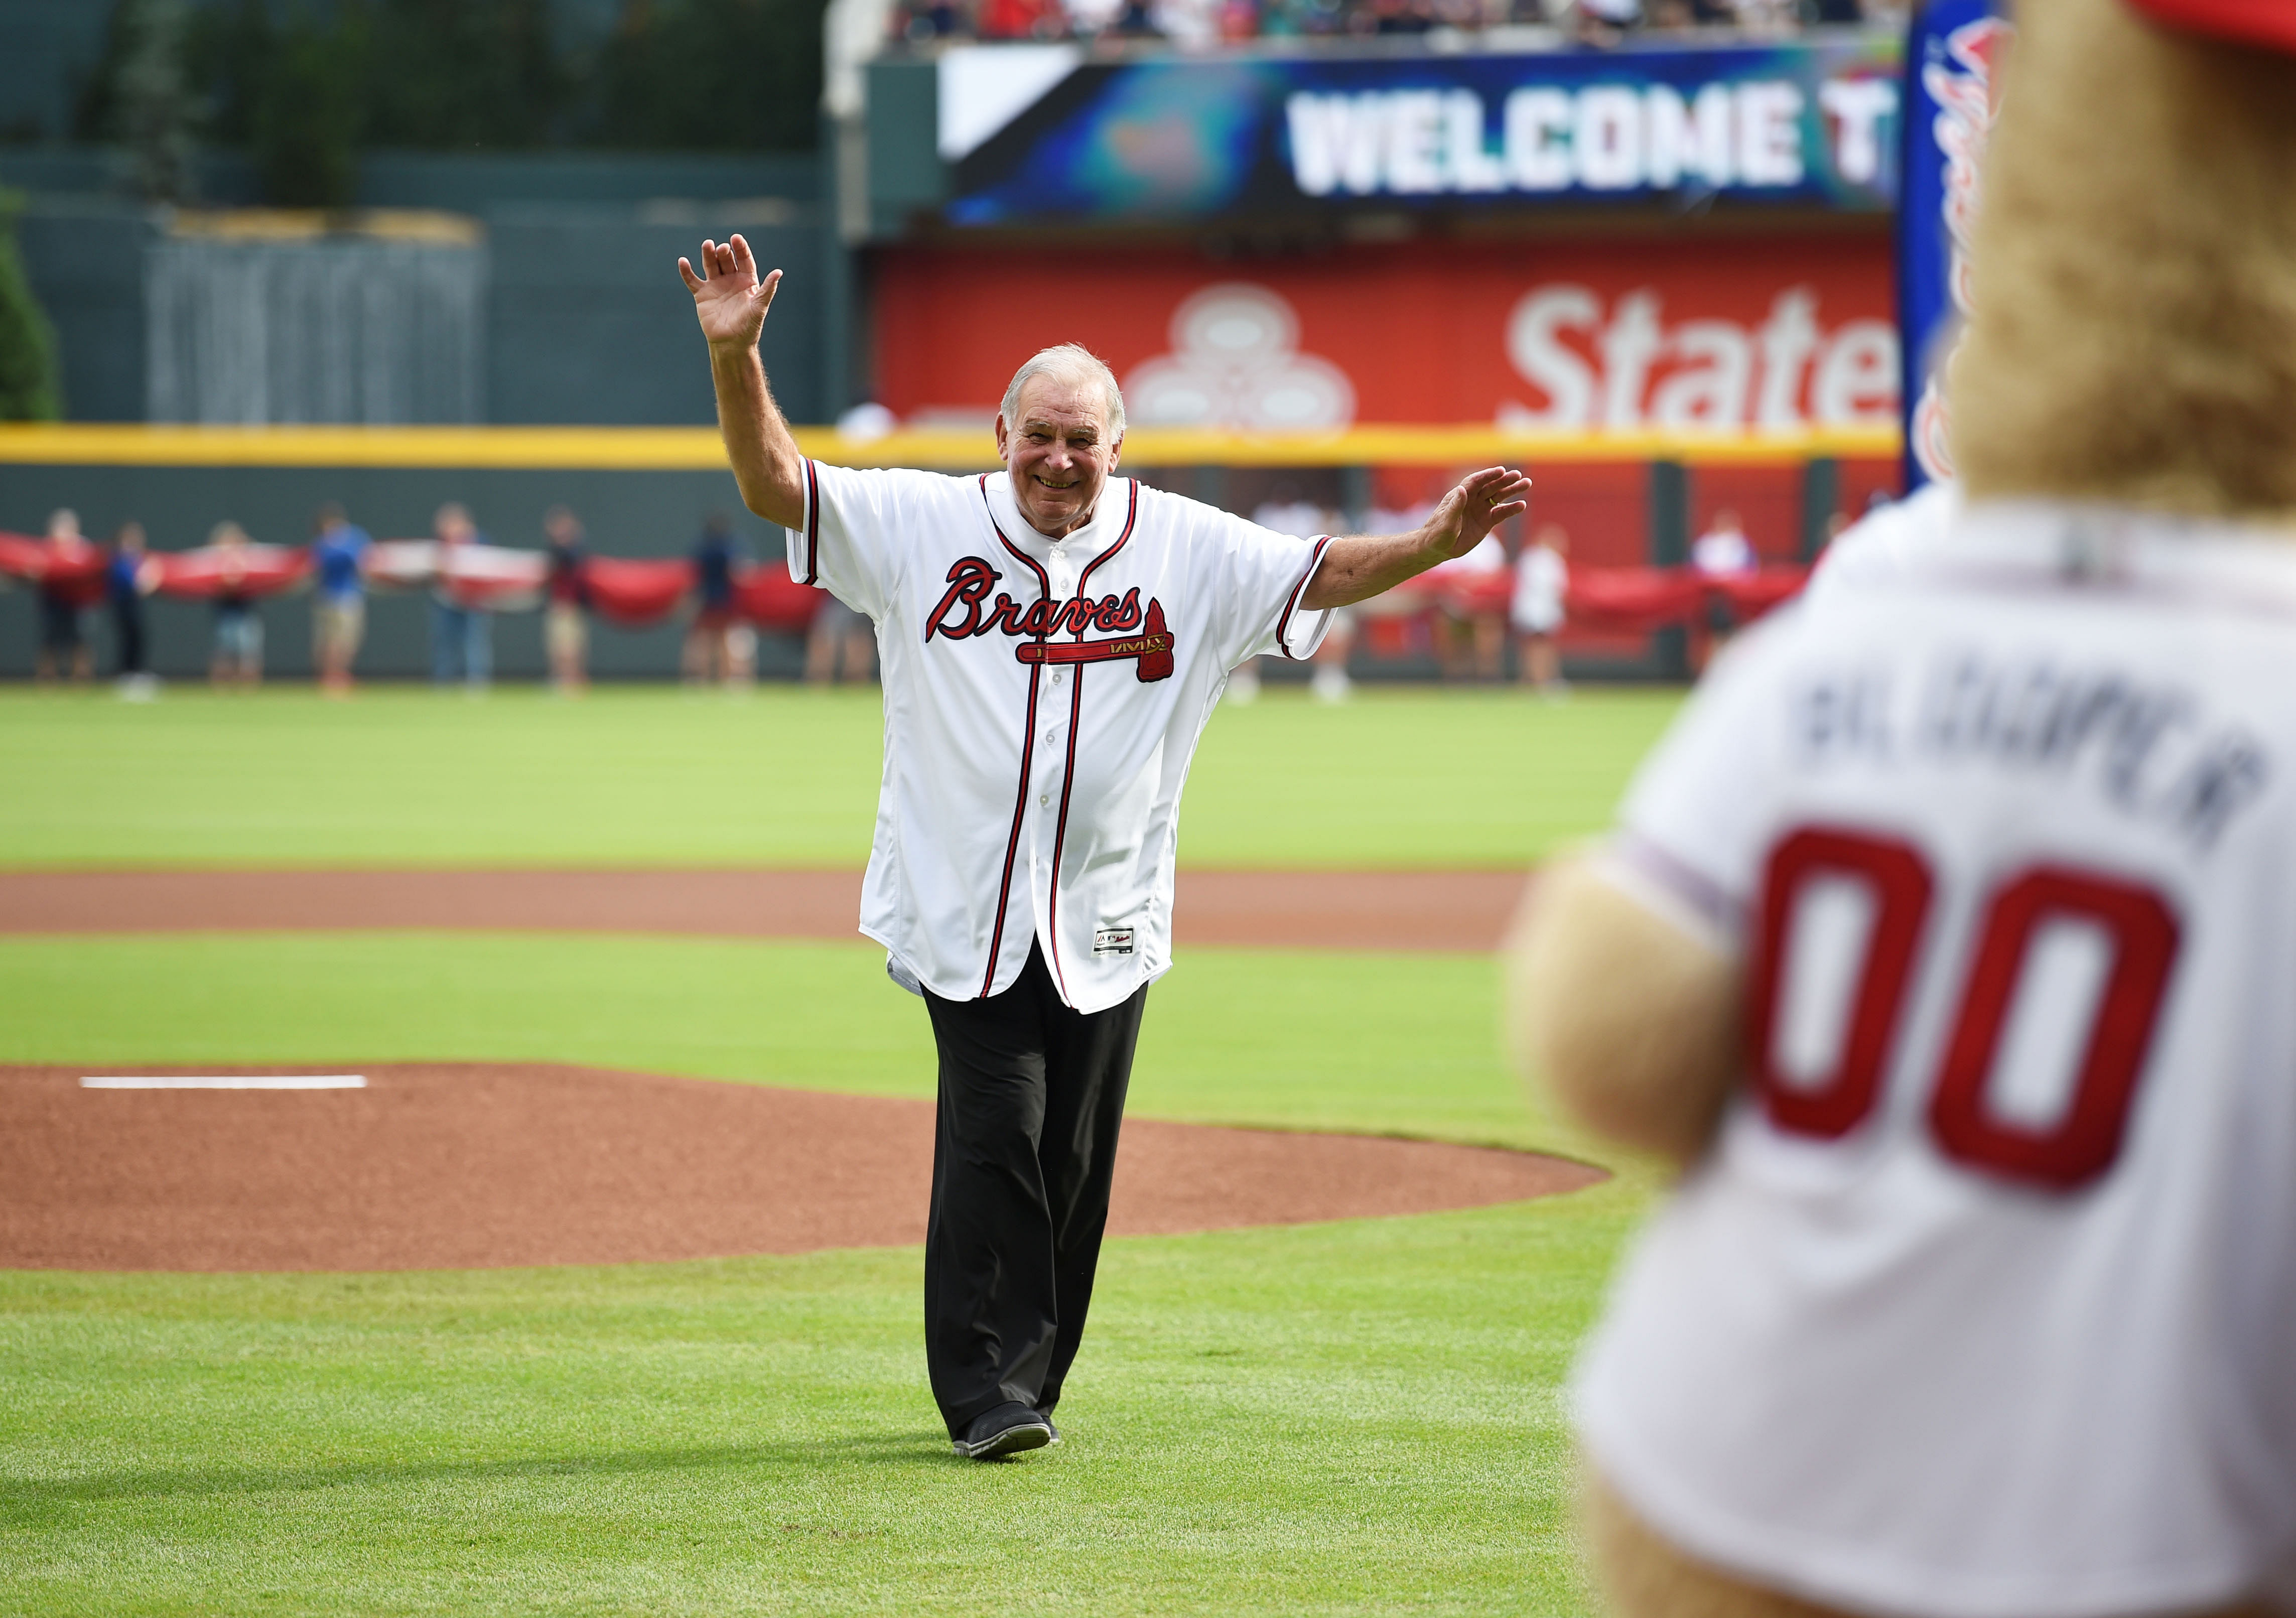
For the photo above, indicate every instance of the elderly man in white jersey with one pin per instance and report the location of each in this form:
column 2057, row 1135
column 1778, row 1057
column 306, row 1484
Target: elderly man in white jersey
column 1948, row 941
column 1052, row 640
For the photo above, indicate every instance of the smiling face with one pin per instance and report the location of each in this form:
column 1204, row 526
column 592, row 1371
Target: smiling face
column 1059, row 452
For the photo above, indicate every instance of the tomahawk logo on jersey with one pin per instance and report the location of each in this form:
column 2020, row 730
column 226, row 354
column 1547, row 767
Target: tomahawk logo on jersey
column 1946, row 1321
column 1043, row 699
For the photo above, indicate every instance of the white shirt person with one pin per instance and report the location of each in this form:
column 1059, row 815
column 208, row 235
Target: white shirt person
column 1053, row 638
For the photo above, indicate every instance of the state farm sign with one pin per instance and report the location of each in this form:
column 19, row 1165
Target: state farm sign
column 1724, row 335
column 1622, row 364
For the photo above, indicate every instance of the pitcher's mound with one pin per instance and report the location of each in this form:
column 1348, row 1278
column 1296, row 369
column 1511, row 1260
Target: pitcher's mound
column 462, row 1165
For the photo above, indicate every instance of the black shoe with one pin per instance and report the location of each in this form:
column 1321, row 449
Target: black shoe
column 1007, row 1429
column 1046, row 1417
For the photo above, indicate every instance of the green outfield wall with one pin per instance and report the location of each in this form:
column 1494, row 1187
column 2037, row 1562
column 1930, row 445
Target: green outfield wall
column 628, row 513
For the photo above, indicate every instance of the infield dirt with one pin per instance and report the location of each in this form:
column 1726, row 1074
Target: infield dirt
column 472, row 1165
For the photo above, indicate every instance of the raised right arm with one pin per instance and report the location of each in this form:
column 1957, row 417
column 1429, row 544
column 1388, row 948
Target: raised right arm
column 730, row 303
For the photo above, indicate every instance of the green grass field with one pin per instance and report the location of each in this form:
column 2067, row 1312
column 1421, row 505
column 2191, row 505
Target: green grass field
column 1354, row 1417
column 787, row 777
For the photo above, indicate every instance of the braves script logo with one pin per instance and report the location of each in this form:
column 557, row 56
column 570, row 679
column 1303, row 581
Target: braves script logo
column 961, row 616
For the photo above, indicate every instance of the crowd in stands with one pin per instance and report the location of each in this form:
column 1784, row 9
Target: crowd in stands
column 1207, row 24
column 1461, row 615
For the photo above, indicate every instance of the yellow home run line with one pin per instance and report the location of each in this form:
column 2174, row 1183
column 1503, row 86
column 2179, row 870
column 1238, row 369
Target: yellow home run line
column 232, row 1081
column 698, row 449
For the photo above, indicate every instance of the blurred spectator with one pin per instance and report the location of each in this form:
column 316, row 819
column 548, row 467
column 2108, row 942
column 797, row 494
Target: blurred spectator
column 238, row 659
column 1723, row 549
column 1391, row 16
column 462, row 633
column 841, row 643
column 1542, row 574
column 1397, row 519
column 63, row 634
column 927, row 19
column 338, row 600
column 1672, row 16
column 565, row 621
column 1287, row 512
column 1205, row 24
column 1471, row 594
column 1769, row 18
column 717, row 641
column 1329, row 682
column 127, row 579
column 1192, row 25
column 1020, row 20
column 1604, row 22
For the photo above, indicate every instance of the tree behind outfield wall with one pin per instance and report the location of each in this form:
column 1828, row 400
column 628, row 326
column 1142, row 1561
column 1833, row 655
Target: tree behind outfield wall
column 27, row 346
column 454, row 74
column 302, row 85
column 141, row 97
column 699, row 74
column 303, row 123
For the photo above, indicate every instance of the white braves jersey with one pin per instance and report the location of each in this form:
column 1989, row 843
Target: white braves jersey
column 1043, row 699
column 1984, row 1302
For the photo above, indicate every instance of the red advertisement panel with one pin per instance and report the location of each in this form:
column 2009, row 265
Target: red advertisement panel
column 1770, row 332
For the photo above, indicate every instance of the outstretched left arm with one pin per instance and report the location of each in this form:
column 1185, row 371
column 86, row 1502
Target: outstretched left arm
column 1359, row 568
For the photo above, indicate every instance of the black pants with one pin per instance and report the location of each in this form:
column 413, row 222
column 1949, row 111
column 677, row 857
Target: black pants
column 1031, row 1095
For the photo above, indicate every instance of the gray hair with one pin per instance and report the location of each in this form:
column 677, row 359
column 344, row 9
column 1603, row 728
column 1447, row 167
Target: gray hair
column 1069, row 362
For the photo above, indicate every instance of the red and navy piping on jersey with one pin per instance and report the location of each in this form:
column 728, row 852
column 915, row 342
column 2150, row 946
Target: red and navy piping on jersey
column 1076, row 722
column 812, row 523
column 1283, row 623
column 1028, row 757
column 1028, row 740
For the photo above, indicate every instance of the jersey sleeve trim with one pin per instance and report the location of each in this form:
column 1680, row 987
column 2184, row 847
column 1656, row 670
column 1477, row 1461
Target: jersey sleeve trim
column 1284, row 623
column 812, row 523
column 1672, row 887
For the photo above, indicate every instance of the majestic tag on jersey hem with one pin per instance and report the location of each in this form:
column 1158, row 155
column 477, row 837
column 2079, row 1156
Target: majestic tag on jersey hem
column 1112, row 941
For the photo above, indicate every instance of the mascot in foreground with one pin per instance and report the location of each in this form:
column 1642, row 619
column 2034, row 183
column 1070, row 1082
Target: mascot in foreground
column 1948, row 943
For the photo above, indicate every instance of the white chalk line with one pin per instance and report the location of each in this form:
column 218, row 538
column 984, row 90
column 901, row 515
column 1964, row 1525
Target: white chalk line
column 230, row 1081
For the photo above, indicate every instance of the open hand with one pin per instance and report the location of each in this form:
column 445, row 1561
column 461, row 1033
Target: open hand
column 728, row 299
column 1359, row 567
column 1481, row 503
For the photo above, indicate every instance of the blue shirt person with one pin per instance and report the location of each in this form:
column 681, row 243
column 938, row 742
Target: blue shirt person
column 339, row 549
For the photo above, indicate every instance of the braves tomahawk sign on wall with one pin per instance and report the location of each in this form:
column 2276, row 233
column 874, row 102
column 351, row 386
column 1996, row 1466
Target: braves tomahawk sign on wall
column 1730, row 336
